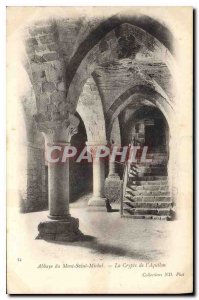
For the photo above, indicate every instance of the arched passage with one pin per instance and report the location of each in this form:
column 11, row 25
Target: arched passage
column 147, row 126
column 136, row 96
column 149, row 114
column 80, row 172
column 147, row 187
column 91, row 111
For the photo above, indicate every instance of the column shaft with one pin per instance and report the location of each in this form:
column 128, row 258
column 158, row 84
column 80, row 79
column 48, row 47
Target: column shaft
column 58, row 189
column 98, row 178
column 98, row 200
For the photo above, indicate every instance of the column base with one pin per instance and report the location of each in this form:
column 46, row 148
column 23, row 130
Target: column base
column 97, row 204
column 60, row 230
column 60, row 218
column 113, row 188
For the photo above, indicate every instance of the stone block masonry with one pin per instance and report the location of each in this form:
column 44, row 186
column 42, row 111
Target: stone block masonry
column 36, row 197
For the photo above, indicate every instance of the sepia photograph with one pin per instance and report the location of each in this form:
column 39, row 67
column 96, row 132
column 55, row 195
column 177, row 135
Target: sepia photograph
column 99, row 150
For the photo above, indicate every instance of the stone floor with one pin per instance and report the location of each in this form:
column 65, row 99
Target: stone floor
column 87, row 266
column 107, row 235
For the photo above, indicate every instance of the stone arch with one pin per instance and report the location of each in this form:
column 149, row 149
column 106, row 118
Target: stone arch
column 85, row 67
column 138, row 93
column 146, row 23
column 57, row 86
column 146, row 95
column 145, row 112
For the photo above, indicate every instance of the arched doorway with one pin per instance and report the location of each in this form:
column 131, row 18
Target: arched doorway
column 146, row 194
column 147, row 126
column 80, row 173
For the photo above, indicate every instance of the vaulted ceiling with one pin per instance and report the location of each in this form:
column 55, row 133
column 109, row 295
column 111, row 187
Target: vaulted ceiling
column 122, row 56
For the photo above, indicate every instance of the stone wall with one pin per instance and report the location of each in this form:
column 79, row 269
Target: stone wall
column 36, row 196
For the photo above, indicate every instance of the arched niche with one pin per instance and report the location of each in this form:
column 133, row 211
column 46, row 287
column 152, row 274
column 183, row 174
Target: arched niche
column 80, row 172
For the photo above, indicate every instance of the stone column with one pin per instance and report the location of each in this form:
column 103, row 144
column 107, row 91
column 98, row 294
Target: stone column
column 98, row 200
column 112, row 169
column 113, row 183
column 58, row 191
column 61, row 226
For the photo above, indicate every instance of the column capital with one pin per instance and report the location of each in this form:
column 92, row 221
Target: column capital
column 57, row 131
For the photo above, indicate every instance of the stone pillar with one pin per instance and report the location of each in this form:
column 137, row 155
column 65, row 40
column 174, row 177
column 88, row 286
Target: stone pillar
column 98, row 200
column 113, row 184
column 58, row 191
column 61, row 226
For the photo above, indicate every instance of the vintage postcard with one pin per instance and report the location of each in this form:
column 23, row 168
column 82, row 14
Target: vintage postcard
column 99, row 150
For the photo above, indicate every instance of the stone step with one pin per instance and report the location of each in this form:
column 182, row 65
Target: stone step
column 149, row 211
column 148, row 182
column 132, row 193
column 132, row 167
column 148, row 198
column 148, row 167
column 151, row 198
column 132, row 175
column 133, row 170
column 148, row 187
column 155, row 172
column 160, row 166
column 151, row 178
column 157, row 161
column 154, row 205
column 147, row 217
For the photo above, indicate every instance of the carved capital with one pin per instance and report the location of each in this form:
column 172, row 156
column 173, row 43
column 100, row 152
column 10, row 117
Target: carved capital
column 58, row 130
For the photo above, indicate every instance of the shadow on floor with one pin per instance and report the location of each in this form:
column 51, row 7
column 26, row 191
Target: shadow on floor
column 91, row 242
column 109, row 207
column 113, row 210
